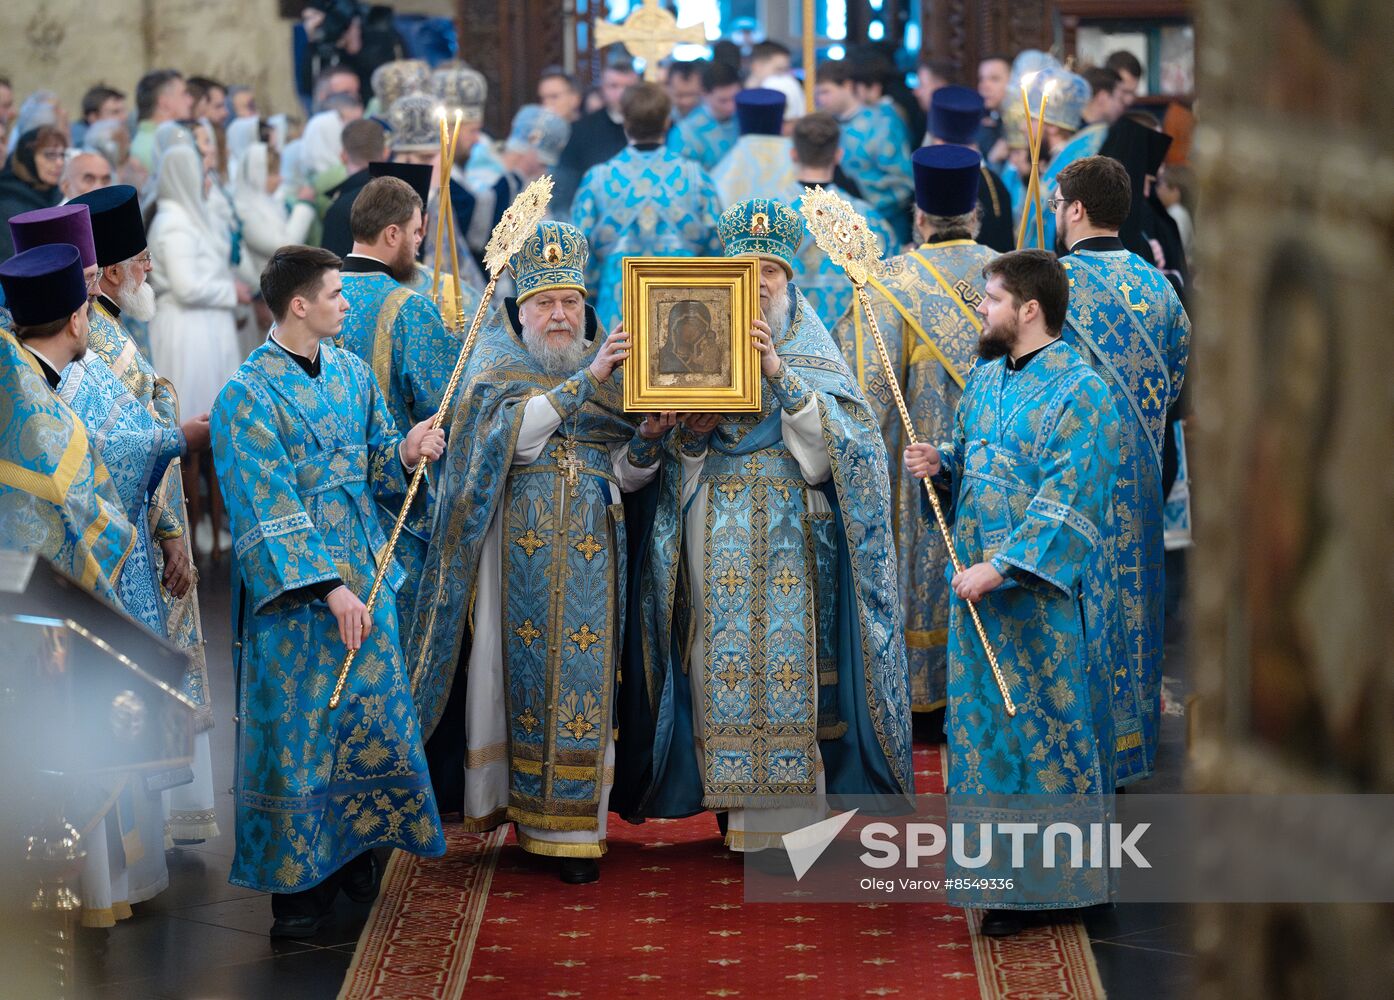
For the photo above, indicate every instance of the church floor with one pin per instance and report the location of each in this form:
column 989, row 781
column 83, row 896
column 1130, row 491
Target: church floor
column 203, row 938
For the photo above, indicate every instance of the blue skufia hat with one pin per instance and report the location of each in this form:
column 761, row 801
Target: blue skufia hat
column 760, row 111
column 554, row 257
column 763, row 227
column 44, row 284
column 118, row 230
column 946, row 179
column 955, row 113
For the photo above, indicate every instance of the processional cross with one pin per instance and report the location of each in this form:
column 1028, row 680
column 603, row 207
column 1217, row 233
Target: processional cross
column 649, row 33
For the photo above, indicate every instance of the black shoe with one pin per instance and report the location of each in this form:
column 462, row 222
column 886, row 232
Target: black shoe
column 297, row 928
column 1001, row 923
column 723, row 819
column 361, row 878
column 579, row 871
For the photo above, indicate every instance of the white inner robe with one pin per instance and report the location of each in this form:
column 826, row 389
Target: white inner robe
column 486, row 755
column 750, row 829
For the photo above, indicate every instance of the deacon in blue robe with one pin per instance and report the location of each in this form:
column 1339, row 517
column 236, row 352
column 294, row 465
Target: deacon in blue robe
column 759, row 165
column 765, row 667
column 925, row 303
column 875, row 150
column 399, row 334
column 305, row 448
column 515, row 644
column 1031, row 466
column 646, row 202
column 709, row 130
column 1126, row 320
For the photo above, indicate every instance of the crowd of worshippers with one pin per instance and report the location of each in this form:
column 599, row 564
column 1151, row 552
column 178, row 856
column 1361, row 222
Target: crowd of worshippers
column 234, row 337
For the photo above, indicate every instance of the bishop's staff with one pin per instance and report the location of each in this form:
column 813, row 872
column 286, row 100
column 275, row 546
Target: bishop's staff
column 843, row 235
column 518, row 223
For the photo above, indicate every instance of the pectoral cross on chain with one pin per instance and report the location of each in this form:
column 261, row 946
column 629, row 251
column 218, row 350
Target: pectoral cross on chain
column 569, row 466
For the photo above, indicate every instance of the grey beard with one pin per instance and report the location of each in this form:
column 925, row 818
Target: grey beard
column 564, row 360
column 778, row 315
column 136, row 302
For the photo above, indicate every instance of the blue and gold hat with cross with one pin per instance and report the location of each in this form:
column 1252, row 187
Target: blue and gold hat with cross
column 552, row 258
column 762, row 227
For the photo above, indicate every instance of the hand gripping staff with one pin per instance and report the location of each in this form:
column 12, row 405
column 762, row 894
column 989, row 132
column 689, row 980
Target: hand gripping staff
column 843, row 235
column 518, row 223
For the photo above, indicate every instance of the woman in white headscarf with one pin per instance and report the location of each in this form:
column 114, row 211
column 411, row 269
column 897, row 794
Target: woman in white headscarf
column 193, row 337
column 241, row 133
column 268, row 222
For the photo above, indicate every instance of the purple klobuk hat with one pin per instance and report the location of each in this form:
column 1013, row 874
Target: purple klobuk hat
column 71, row 224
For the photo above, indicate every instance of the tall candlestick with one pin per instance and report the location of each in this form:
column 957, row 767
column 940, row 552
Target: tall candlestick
column 440, row 214
column 1040, row 138
column 457, row 316
column 1032, row 183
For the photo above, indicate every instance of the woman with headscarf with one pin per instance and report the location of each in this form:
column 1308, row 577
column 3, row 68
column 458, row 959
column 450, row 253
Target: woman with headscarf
column 30, row 178
column 268, row 222
column 193, row 337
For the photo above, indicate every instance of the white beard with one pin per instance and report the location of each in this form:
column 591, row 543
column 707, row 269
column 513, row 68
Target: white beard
column 564, row 360
column 137, row 303
column 777, row 315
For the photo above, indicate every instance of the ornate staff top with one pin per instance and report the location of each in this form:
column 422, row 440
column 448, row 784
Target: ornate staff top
column 842, row 234
column 518, row 223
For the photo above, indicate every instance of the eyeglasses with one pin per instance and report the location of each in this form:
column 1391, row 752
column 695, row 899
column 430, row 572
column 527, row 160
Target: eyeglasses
column 94, row 284
column 144, row 260
column 1054, row 203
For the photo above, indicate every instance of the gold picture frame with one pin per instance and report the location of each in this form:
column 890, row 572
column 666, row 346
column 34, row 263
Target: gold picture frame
column 689, row 320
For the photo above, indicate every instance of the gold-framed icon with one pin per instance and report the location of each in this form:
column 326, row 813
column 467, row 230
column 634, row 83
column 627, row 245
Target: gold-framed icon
column 689, row 320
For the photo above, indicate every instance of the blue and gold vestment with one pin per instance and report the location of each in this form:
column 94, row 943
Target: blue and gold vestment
column 803, row 655
column 924, row 303
column 56, row 496
column 302, row 463
column 1032, row 463
column 876, row 154
column 701, row 138
column 758, row 166
column 136, row 449
column 399, row 334
column 642, row 204
column 1128, row 323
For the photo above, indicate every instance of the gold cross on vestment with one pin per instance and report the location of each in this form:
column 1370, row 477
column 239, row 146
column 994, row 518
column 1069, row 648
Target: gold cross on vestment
column 650, row 33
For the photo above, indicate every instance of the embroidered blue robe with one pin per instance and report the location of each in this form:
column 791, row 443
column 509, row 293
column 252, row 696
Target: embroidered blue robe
column 1086, row 142
column 136, row 449
column 1128, row 323
column 642, row 204
column 924, row 305
column 562, row 571
column 399, row 334
column 301, row 461
column 701, row 138
column 56, row 496
column 758, row 166
column 1032, row 463
column 823, row 283
column 876, row 154
column 804, row 648
column 110, row 340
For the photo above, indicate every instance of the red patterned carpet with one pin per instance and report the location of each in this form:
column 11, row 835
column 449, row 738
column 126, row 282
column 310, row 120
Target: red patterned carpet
column 666, row 920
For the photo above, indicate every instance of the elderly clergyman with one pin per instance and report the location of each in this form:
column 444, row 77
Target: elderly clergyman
column 523, row 585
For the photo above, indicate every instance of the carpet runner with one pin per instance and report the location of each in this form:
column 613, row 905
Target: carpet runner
column 666, row 919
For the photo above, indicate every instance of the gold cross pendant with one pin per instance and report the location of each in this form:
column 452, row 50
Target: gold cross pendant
column 569, row 466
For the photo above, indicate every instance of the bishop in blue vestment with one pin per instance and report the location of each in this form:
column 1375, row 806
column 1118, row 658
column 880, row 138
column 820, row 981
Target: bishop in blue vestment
column 516, row 639
column 766, row 667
